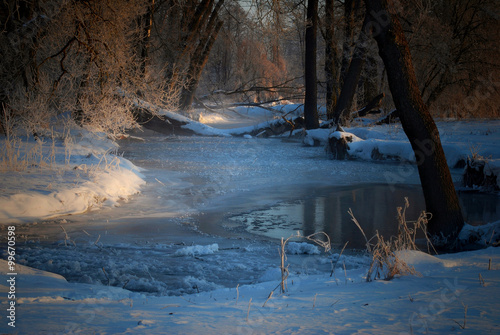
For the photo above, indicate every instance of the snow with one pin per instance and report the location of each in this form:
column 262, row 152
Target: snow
column 296, row 248
column 89, row 177
column 482, row 236
column 197, row 250
column 390, row 142
column 314, row 304
column 146, row 266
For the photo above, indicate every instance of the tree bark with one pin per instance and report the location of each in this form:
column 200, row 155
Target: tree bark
column 331, row 59
column 146, row 24
column 195, row 17
column 350, row 9
column 311, row 95
column 200, row 56
column 198, row 62
column 370, row 79
column 440, row 197
column 351, row 79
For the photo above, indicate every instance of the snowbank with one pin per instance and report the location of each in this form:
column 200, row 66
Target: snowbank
column 459, row 140
column 80, row 176
column 480, row 236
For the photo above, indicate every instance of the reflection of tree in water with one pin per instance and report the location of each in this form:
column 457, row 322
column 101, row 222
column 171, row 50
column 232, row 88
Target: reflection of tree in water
column 375, row 208
column 373, row 205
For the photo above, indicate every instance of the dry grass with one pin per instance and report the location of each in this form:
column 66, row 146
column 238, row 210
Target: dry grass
column 464, row 324
column 25, row 147
column 320, row 238
column 283, row 268
column 386, row 263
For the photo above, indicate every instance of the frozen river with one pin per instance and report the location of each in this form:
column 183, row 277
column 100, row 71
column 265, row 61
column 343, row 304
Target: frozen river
column 214, row 209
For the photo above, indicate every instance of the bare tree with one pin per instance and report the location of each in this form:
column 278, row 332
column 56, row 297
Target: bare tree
column 351, row 11
column 439, row 192
column 70, row 56
column 331, row 58
column 255, row 55
column 209, row 31
column 184, row 34
column 455, row 48
column 311, row 91
column 145, row 23
column 351, row 78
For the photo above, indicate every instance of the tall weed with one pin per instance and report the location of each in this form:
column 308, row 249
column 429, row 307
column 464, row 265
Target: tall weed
column 385, row 253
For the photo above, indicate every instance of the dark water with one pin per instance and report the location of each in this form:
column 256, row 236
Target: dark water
column 373, row 205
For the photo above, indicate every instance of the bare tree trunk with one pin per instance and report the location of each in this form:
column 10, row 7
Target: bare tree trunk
column 200, row 56
column 370, row 79
column 440, row 197
column 331, row 59
column 198, row 62
column 351, row 79
column 195, row 16
column 311, row 95
column 146, row 24
column 350, row 9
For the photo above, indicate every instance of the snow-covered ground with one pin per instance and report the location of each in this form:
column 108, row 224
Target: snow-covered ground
column 153, row 266
column 50, row 177
column 454, row 294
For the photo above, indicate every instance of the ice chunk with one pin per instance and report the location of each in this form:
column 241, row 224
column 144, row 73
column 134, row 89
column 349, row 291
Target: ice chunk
column 296, row 248
column 197, row 250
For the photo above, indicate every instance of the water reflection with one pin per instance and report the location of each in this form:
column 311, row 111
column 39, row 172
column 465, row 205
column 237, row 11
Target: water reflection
column 374, row 206
column 480, row 208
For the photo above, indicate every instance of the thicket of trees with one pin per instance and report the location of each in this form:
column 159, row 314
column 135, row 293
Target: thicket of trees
column 94, row 58
column 90, row 57
column 453, row 44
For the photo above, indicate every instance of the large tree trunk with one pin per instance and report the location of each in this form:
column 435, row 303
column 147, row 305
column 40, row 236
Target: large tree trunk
column 200, row 56
column 350, row 9
column 311, row 94
column 331, row 59
column 351, row 79
column 370, row 79
column 195, row 17
column 198, row 62
column 440, row 197
column 146, row 22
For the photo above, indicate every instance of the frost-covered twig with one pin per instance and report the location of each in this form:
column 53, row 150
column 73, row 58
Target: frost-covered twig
column 66, row 237
column 359, row 227
column 340, row 255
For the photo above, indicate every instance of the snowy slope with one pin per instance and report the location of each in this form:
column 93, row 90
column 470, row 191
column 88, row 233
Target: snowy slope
column 432, row 303
column 69, row 179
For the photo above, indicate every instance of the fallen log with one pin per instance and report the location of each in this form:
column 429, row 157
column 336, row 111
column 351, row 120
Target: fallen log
column 372, row 107
column 161, row 123
column 392, row 117
column 278, row 127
